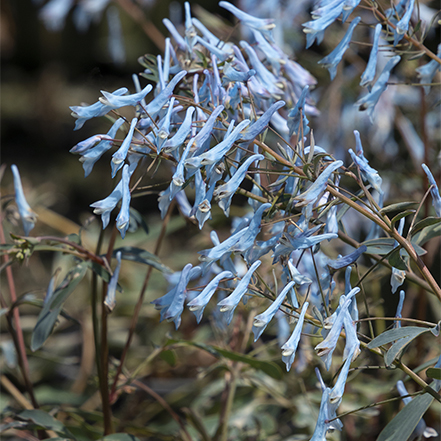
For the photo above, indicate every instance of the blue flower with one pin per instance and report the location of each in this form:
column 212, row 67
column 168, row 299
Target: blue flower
column 367, row 78
column 231, row 75
column 370, row 100
column 214, row 50
column 326, row 348
column 181, row 135
column 261, row 321
column 436, row 198
column 264, row 26
column 210, row 37
column 337, row 391
column 403, row 25
column 321, row 426
column 120, row 155
column 175, row 34
column 28, row 217
column 178, row 179
column 198, row 304
column 290, row 347
column 427, row 72
column 368, row 173
column 266, row 78
column 94, row 154
column 294, row 115
column 199, row 141
column 84, row 113
column 318, row 187
column 229, row 304
column 314, row 29
column 349, row 259
column 332, row 60
column 115, row 101
column 260, row 124
column 225, row 192
column 398, row 276
column 123, row 218
column 400, row 309
column 105, row 206
column 110, row 300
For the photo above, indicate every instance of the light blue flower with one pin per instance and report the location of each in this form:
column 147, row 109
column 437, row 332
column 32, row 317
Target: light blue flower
column 347, row 260
column 181, row 135
column 262, row 320
column 110, row 300
column 120, row 155
column 116, row 101
column 105, row 206
column 337, row 391
column 198, row 304
column 403, row 25
column 28, row 217
column 318, row 187
column 266, row 78
column 84, row 113
column 199, row 141
column 210, row 37
column 398, row 276
column 214, row 50
column 225, row 192
column 326, row 348
column 260, row 124
column 290, row 347
column 332, row 60
column 175, row 34
column 92, row 155
column 370, row 100
column 294, row 115
column 321, row 426
column 367, row 78
column 436, row 198
column 397, row 323
column 229, row 304
column 368, row 173
column 231, row 75
column 427, row 72
column 262, row 25
column 178, row 179
column 123, row 218
column 314, row 29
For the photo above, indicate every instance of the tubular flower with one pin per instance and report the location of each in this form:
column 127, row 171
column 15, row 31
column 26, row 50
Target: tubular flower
column 294, row 115
column 261, row 321
column 397, row 323
column 28, row 217
column 110, row 300
column 398, row 276
column 403, row 25
column 367, row 78
column 290, row 347
column 116, row 101
column 120, row 155
column 332, row 60
column 436, row 198
column 198, row 304
column 427, row 72
column 229, row 304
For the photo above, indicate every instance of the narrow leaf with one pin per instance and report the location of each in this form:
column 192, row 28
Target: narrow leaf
column 396, row 261
column 396, row 350
column 395, row 334
column 142, row 256
column 398, row 207
column 434, row 373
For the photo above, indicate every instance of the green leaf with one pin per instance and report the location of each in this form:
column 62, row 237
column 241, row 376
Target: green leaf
column 396, row 350
column 119, row 437
column 136, row 216
column 434, row 373
column 169, row 356
column 402, row 426
column 426, row 234
column 49, row 314
column 428, row 221
column 398, row 207
column 142, row 256
column 270, row 368
column 381, row 246
column 396, row 334
column 43, row 419
column 400, row 216
column 396, row 261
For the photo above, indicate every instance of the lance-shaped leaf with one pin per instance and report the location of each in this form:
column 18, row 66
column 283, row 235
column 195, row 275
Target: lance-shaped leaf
column 229, row 304
column 28, row 217
column 198, row 304
column 332, row 60
column 290, row 347
column 261, row 321
column 49, row 314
